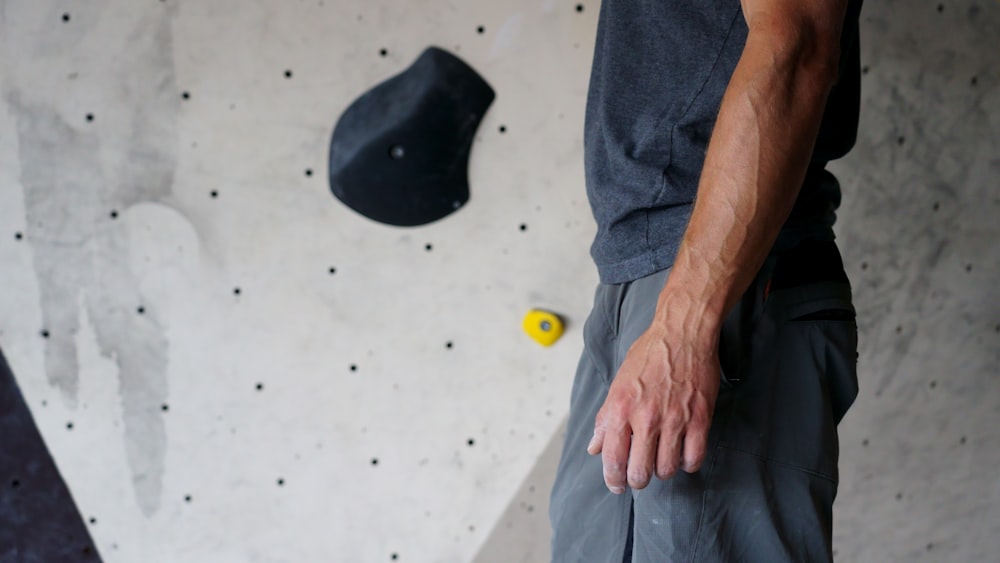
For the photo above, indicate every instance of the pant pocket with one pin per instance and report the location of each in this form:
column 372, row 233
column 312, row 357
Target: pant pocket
column 801, row 379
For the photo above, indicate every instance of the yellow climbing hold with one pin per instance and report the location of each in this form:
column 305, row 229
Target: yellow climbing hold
column 543, row 327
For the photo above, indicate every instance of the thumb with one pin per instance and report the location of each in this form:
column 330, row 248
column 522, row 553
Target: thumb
column 597, row 442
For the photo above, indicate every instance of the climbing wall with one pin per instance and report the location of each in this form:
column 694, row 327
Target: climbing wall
column 918, row 478
column 228, row 364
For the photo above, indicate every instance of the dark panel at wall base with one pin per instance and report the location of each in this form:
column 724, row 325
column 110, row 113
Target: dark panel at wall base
column 39, row 521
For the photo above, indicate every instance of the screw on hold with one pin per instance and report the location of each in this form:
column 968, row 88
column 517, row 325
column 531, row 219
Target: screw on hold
column 546, row 326
column 397, row 152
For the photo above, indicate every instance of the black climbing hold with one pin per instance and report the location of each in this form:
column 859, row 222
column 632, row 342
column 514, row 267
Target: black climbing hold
column 399, row 153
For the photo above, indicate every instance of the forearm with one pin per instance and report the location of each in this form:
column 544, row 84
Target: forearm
column 760, row 149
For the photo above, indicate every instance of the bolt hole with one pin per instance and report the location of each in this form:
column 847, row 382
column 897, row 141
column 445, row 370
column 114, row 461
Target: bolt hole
column 332, row 270
column 288, row 74
column 480, row 30
column 383, row 52
column 65, row 17
column 428, row 247
column 90, row 117
column 69, row 426
column 114, row 214
column 281, row 482
column 187, row 498
column 524, row 227
column 354, row 367
column 214, row 194
column 237, row 291
column 449, row 345
column 18, row 236
column 165, row 407
column 186, row 95
column 579, row 7
column 471, row 442
column 141, row 310
column 260, row 386
column 374, row 461
column 503, row 129
column 45, row 334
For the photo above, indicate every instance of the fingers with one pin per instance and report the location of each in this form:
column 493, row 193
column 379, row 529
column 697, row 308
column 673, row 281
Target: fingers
column 641, row 460
column 694, row 449
column 614, row 456
column 668, row 456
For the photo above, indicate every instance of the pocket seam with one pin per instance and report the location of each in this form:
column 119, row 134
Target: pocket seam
column 779, row 463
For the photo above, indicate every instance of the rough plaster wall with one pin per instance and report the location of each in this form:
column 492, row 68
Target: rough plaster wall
column 917, row 229
column 920, row 232
column 227, row 363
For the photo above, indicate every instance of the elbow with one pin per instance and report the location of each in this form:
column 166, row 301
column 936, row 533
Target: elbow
column 807, row 48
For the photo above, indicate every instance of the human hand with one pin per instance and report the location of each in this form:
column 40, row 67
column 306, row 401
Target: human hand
column 659, row 408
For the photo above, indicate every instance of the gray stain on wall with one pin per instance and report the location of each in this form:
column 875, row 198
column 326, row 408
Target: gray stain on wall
column 81, row 252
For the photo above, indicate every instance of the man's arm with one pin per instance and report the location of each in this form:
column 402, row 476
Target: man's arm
column 659, row 407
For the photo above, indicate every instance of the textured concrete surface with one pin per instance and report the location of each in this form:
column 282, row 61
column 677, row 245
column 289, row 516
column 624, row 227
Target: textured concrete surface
column 255, row 373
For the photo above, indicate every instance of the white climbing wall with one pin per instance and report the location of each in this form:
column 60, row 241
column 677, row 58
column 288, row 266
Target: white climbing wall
column 229, row 365
column 226, row 362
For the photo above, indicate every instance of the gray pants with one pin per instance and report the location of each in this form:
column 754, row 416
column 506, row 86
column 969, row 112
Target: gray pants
column 766, row 488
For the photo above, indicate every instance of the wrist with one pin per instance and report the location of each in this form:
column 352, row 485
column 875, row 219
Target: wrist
column 688, row 317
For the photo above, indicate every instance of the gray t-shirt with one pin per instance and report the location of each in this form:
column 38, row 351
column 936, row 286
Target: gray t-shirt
column 659, row 72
